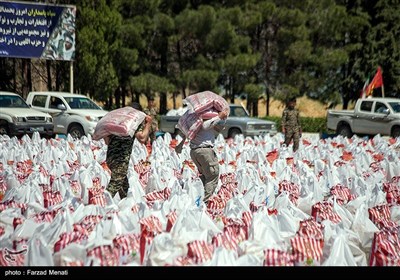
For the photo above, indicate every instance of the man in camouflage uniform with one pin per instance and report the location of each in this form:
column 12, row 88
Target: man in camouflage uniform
column 118, row 155
column 151, row 110
column 291, row 124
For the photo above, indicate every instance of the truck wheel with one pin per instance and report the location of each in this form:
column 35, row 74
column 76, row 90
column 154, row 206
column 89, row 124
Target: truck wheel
column 3, row 128
column 76, row 131
column 233, row 132
column 345, row 131
column 395, row 132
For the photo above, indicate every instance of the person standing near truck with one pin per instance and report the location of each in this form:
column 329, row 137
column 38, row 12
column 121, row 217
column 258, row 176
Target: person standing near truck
column 152, row 111
column 291, row 126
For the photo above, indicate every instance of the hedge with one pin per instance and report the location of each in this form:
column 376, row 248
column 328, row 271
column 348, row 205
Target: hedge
column 310, row 125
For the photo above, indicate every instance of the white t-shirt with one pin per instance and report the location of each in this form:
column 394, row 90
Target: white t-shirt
column 206, row 135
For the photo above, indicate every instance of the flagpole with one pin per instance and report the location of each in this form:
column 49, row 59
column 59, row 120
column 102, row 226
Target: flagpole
column 383, row 91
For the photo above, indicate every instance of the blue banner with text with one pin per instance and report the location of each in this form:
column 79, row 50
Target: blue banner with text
column 33, row 30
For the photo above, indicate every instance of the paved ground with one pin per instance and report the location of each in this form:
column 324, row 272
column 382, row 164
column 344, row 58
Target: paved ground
column 311, row 135
column 317, row 135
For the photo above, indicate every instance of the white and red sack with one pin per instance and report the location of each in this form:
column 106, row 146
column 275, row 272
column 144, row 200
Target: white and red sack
column 121, row 122
column 67, row 238
column 393, row 197
column 190, row 124
column 216, row 202
column 200, row 251
column 143, row 169
column 247, row 218
column 385, row 249
column 128, row 246
column 324, row 211
column 387, row 224
column 149, row 228
column 227, row 191
column 392, row 190
column 274, row 257
column 88, row 223
column 395, row 180
column 97, row 197
column 158, row 195
column 209, row 114
column 202, row 105
column 12, row 204
column 227, row 178
column 292, row 189
column 76, row 187
column 106, row 254
column 310, row 228
column 342, row 194
column 378, row 213
column 151, row 224
column 307, row 251
column 237, row 229
column 51, row 198
column 171, row 220
column 227, row 239
column 10, row 257
column 206, row 100
column 46, row 216
column 19, row 243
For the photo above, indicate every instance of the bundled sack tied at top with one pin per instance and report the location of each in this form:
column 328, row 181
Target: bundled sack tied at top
column 201, row 106
column 121, row 122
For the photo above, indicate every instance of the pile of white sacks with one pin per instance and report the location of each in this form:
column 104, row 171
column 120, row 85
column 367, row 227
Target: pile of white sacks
column 334, row 202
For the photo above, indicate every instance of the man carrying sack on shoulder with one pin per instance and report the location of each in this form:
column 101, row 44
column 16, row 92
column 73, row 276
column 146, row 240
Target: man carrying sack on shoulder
column 203, row 154
column 119, row 129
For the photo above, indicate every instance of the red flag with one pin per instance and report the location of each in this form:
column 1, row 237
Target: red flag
column 377, row 81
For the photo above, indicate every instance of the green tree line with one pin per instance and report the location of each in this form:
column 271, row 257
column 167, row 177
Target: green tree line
column 325, row 49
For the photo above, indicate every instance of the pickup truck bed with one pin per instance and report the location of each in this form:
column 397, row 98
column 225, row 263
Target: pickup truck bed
column 341, row 112
column 370, row 116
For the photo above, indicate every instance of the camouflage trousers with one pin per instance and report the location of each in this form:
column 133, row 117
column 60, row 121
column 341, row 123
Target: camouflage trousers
column 118, row 156
column 292, row 134
column 152, row 133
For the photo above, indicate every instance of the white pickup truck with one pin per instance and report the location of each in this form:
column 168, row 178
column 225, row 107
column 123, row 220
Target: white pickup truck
column 17, row 118
column 370, row 116
column 73, row 114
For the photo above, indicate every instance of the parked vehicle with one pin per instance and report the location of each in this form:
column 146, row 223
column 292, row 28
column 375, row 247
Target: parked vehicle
column 17, row 118
column 370, row 116
column 238, row 122
column 72, row 113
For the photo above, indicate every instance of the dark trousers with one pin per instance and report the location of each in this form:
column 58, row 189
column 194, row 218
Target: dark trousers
column 118, row 155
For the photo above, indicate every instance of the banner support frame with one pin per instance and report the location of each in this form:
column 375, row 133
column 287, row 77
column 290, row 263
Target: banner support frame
column 71, row 76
